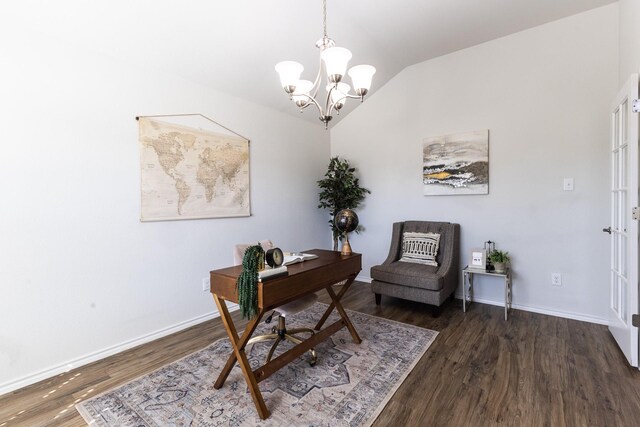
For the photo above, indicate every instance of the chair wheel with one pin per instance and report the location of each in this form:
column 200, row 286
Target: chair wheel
column 314, row 358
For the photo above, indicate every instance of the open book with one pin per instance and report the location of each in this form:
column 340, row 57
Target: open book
column 294, row 257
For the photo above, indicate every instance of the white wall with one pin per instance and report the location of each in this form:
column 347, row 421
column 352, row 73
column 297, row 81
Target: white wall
column 629, row 38
column 544, row 94
column 80, row 276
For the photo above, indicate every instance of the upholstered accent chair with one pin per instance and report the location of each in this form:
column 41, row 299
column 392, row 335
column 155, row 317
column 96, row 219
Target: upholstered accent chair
column 420, row 282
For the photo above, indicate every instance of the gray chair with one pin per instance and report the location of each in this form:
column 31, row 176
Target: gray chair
column 418, row 282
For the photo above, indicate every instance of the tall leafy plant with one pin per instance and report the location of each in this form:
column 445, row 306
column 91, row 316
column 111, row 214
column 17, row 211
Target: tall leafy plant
column 340, row 189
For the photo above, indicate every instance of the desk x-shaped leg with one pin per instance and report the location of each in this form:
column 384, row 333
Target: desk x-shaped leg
column 238, row 344
column 337, row 305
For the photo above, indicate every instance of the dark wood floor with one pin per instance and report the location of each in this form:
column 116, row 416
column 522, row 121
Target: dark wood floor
column 532, row 370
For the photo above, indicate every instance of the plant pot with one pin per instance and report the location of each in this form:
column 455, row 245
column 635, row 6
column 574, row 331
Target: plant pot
column 499, row 267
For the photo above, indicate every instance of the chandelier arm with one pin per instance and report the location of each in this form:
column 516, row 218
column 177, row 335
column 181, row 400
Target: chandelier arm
column 360, row 97
column 331, row 108
column 316, row 83
column 312, row 99
column 328, row 104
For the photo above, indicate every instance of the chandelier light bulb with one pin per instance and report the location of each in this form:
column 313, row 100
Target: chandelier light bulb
column 289, row 72
column 335, row 61
column 301, row 95
column 339, row 94
column 361, row 76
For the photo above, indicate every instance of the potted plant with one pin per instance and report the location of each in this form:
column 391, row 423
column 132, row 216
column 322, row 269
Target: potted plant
column 340, row 189
column 499, row 259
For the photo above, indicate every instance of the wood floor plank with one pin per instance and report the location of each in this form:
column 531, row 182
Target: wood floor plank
column 532, row 370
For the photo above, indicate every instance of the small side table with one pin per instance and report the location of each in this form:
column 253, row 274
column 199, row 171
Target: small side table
column 467, row 287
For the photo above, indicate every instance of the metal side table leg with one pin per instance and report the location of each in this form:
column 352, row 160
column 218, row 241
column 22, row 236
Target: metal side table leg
column 464, row 291
column 467, row 290
column 506, row 296
column 510, row 292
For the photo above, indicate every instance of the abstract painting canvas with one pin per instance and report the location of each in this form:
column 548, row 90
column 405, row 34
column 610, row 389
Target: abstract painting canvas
column 456, row 164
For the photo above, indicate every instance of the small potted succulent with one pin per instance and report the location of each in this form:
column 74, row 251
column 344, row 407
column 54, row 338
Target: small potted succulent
column 499, row 259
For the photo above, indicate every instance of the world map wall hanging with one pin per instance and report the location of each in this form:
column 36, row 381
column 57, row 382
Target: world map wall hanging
column 191, row 173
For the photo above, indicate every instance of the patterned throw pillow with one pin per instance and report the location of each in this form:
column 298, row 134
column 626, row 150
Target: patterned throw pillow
column 420, row 248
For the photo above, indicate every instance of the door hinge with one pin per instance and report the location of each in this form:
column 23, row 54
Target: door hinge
column 635, row 105
column 635, row 213
column 635, row 320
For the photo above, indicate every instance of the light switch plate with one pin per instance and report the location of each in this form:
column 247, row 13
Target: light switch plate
column 568, row 184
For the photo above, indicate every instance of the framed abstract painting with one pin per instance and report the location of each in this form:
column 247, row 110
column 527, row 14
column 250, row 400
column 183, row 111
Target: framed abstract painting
column 456, row 164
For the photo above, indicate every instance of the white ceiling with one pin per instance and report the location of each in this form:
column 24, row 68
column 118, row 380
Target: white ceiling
column 233, row 45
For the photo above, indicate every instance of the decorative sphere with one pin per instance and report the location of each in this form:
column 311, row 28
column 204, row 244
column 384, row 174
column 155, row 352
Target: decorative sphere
column 346, row 220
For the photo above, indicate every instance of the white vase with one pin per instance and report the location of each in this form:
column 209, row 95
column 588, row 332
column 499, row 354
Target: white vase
column 499, row 267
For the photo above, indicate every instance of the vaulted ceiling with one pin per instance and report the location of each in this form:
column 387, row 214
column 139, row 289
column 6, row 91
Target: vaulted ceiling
column 233, row 45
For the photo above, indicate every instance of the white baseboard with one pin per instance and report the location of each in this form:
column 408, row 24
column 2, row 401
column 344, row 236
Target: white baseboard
column 541, row 310
column 532, row 309
column 109, row 351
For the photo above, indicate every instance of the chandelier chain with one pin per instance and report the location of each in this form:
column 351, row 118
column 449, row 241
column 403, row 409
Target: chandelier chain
column 324, row 11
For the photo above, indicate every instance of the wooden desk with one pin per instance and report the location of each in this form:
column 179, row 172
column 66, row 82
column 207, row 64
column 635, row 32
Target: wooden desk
column 304, row 278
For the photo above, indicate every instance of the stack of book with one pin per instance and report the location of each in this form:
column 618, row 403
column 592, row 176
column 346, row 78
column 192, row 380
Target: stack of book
column 272, row 273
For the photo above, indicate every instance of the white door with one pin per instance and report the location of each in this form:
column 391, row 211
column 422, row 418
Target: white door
column 624, row 230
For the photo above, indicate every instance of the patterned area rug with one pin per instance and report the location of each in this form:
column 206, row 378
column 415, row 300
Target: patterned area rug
column 349, row 386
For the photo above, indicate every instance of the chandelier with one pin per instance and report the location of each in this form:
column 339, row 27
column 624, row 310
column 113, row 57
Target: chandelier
column 333, row 60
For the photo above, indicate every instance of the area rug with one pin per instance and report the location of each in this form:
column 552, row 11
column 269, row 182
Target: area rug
column 349, row 386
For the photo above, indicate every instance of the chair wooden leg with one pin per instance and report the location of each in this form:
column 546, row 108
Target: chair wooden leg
column 378, row 299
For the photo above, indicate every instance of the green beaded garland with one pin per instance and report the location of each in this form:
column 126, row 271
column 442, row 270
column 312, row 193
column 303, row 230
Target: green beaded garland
column 247, row 283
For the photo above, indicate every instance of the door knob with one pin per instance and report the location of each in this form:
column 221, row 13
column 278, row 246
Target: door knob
column 607, row 230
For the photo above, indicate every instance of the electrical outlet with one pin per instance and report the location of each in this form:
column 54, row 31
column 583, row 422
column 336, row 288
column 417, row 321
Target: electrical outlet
column 556, row 279
column 206, row 284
